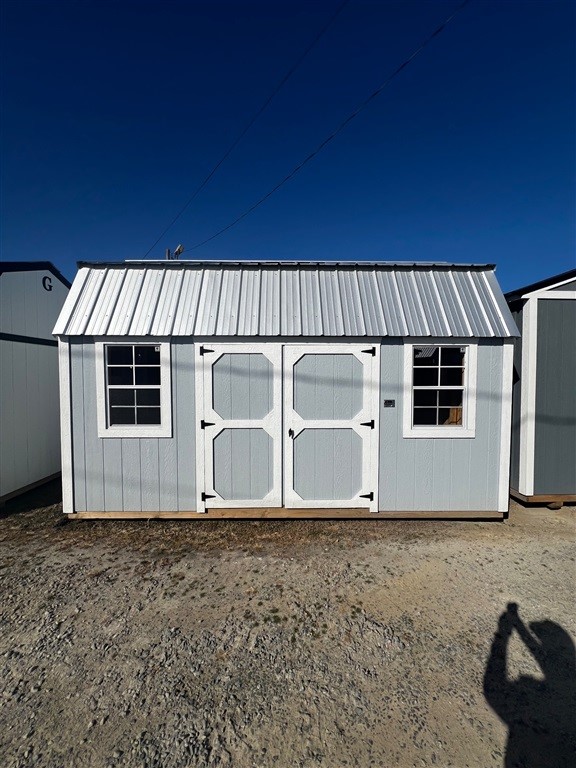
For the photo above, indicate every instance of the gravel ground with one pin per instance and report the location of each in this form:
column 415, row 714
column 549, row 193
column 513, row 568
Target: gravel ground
column 288, row 643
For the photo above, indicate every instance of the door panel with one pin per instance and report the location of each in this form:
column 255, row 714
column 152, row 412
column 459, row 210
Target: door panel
column 327, row 464
column 331, row 410
column 239, row 433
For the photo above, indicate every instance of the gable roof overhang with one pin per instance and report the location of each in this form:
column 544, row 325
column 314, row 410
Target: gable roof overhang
column 549, row 282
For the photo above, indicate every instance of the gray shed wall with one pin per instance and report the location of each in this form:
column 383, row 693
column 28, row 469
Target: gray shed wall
column 516, row 406
column 555, row 443
column 158, row 474
column 133, row 474
column 441, row 474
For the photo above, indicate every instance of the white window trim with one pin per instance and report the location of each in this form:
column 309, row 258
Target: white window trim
column 134, row 430
column 468, row 428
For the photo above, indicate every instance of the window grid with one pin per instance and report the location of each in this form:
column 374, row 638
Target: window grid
column 434, row 403
column 133, row 386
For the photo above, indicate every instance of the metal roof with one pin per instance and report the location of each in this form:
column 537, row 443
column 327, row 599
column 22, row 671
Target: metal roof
column 180, row 298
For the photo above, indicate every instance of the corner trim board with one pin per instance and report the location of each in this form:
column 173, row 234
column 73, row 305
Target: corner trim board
column 66, row 426
column 528, row 399
column 505, row 426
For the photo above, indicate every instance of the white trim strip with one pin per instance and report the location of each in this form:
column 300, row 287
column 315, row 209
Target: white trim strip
column 66, row 427
column 198, row 415
column 554, row 295
column 505, row 427
column 528, row 396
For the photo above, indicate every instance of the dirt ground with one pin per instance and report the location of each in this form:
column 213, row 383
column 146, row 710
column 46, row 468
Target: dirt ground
column 289, row 643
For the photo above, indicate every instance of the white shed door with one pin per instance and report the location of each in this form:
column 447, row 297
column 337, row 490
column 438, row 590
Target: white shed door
column 331, row 425
column 239, row 432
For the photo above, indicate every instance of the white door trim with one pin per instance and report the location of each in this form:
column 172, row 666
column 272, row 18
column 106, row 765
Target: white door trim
column 369, row 412
column 271, row 423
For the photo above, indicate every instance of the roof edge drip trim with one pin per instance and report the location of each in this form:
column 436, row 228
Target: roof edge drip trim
column 248, row 264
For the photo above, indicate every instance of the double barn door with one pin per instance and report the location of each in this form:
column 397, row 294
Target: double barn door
column 287, row 425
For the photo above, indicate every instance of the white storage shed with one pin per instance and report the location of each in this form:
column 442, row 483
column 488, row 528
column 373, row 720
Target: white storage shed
column 276, row 389
column 31, row 296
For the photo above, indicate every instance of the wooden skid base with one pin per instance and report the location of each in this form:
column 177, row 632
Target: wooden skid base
column 281, row 513
column 544, row 498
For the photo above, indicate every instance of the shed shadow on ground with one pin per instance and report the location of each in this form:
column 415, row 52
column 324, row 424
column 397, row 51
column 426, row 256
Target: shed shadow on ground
column 540, row 713
column 45, row 495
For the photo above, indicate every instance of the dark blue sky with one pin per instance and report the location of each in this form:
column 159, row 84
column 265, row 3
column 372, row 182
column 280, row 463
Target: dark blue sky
column 114, row 112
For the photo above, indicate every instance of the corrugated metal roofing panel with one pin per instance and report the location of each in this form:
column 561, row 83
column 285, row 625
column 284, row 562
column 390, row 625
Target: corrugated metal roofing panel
column 253, row 299
column 147, row 303
column 87, row 301
column 72, row 300
column 188, row 306
column 165, row 313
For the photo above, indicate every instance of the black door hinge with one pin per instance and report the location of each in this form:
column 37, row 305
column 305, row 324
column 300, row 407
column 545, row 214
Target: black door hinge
column 208, row 496
column 369, row 496
column 204, row 350
column 371, row 351
column 204, row 424
column 367, row 423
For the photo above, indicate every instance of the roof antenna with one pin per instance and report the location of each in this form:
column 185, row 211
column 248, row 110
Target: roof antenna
column 177, row 251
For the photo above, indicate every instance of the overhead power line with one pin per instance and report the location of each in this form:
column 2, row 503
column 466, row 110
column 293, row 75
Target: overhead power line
column 335, row 133
column 243, row 133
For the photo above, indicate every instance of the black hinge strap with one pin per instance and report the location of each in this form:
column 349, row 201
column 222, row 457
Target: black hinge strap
column 207, row 496
column 367, row 423
column 204, row 424
column 371, row 351
column 369, row 496
column 204, row 350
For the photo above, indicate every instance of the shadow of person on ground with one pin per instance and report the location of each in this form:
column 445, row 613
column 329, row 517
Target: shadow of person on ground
column 540, row 714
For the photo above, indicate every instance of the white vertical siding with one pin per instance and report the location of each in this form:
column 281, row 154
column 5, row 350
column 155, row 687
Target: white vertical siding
column 29, row 414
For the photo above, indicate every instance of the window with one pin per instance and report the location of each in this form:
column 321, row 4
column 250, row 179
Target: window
column 439, row 388
column 134, row 391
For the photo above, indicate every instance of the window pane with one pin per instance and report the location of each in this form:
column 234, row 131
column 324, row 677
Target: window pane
column 452, row 356
column 425, row 397
column 147, row 355
column 425, row 377
column 148, row 415
column 122, row 416
column 120, row 376
column 121, row 396
column 147, row 396
column 451, row 377
column 119, row 355
column 425, row 416
column 425, row 355
column 450, row 416
column 451, row 397
column 148, row 376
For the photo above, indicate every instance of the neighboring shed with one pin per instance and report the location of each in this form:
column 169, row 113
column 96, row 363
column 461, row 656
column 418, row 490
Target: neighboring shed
column 285, row 389
column 31, row 296
column 544, row 398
